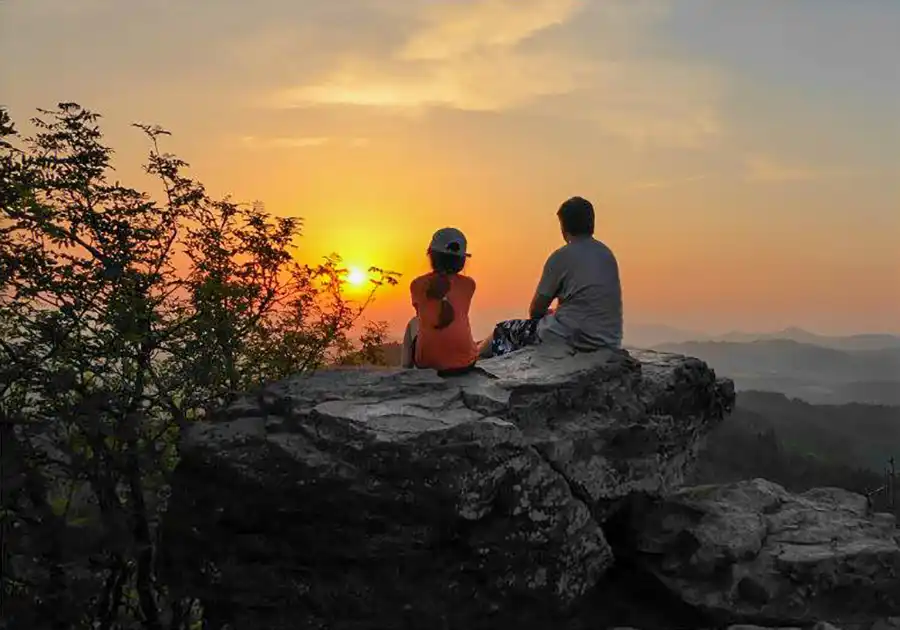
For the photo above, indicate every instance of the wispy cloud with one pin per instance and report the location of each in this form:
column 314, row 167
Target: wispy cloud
column 456, row 28
column 463, row 55
column 762, row 168
column 667, row 183
column 299, row 142
column 496, row 55
column 655, row 102
column 497, row 82
column 54, row 9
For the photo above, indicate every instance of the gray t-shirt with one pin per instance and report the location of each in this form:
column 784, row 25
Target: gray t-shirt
column 584, row 276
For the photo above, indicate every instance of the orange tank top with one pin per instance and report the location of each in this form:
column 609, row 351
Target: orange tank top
column 448, row 348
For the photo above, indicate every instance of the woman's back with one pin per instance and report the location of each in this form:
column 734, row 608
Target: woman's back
column 438, row 346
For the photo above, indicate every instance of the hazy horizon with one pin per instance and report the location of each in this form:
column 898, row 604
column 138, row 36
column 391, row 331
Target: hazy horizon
column 750, row 331
column 743, row 158
column 638, row 332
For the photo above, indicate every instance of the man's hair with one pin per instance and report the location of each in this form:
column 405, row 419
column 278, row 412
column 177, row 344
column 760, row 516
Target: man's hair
column 576, row 215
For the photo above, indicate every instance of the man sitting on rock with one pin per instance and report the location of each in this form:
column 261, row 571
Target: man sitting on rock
column 583, row 276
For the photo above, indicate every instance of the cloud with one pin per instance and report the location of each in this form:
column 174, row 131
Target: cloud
column 495, row 82
column 54, row 9
column 298, row 142
column 655, row 102
column 761, row 168
column 667, row 183
column 767, row 169
column 464, row 55
column 455, row 28
column 498, row 55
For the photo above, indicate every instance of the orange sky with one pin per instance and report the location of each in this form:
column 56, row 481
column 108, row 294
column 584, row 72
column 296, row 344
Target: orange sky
column 744, row 160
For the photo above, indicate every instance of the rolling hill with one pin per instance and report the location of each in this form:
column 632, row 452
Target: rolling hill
column 802, row 446
column 861, row 342
column 649, row 335
column 811, row 372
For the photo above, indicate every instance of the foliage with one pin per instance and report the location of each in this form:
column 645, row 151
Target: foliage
column 122, row 319
column 374, row 351
column 852, row 434
column 751, row 444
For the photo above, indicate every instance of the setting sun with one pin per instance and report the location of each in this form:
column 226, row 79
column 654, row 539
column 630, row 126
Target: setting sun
column 356, row 277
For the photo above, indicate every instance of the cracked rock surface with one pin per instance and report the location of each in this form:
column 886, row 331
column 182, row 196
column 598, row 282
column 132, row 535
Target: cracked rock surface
column 751, row 550
column 392, row 498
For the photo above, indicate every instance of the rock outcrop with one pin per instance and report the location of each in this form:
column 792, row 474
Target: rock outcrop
column 388, row 498
column 751, row 551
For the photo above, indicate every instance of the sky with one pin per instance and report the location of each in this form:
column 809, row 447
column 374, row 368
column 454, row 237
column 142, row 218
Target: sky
column 743, row 156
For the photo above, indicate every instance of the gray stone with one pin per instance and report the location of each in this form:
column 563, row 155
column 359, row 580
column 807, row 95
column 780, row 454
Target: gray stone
column 363, row 498
column 752, row 551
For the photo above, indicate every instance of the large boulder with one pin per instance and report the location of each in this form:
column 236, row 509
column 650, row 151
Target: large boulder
column 391, row 498
column 753, row 552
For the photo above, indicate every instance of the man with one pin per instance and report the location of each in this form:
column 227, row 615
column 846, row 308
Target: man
column 583, row 276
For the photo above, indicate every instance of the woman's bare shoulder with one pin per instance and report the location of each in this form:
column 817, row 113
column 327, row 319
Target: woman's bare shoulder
column 467, row 281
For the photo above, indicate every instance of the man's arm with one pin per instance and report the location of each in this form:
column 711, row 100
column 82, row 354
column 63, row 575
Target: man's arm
column 540, row 304
column 547, row 290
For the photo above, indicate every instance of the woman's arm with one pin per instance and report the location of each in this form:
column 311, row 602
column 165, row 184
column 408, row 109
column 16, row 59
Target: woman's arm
column 408, row 349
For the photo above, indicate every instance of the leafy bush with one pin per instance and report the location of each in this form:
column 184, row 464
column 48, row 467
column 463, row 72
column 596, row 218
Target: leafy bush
column 122, row 319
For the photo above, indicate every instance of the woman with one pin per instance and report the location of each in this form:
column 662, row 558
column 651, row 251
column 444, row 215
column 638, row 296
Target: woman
column 440, row 336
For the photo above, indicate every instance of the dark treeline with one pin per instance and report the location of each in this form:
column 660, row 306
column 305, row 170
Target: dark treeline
column 749, row 444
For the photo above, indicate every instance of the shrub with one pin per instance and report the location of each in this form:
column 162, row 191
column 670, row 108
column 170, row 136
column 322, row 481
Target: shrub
column 123, row 319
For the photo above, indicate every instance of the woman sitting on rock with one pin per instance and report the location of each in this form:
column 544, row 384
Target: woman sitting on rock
column 440, row 336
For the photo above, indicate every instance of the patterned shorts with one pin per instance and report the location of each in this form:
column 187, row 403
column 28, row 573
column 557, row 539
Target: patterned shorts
column 514, row 334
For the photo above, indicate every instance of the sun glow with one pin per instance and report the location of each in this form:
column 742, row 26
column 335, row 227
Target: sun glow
column 356, row 277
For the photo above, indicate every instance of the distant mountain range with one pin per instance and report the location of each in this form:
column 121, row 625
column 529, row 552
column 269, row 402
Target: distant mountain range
column 872, row 341
column 817, row 374
column 649, row 335
column 831, row 402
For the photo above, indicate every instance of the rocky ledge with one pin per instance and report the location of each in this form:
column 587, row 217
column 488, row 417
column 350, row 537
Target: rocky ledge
column 752, row 551
column 355, row 499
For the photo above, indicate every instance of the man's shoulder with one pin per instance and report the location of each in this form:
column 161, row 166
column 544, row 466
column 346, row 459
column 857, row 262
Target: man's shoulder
column 595, row 246
column 573, row 252
column 600, row 244
column 608, row 255
column 559, row 253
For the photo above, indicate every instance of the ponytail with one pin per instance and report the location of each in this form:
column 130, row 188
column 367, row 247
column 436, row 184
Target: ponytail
column 444, row 265
column 438, row 288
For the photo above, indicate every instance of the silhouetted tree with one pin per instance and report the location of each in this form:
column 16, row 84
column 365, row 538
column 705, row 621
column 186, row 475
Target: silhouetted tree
column 122, row 319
